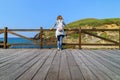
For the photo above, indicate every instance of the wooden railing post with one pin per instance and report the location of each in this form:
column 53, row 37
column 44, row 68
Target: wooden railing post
column 41, row 32
column 5, row 37
column 80, row 38
column 119, row 38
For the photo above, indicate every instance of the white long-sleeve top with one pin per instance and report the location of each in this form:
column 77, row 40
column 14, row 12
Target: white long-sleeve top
column 59, row 24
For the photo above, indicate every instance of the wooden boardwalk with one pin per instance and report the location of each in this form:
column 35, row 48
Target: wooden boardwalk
column 68, row 64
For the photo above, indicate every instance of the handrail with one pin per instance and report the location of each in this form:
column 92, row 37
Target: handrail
column 6, row 31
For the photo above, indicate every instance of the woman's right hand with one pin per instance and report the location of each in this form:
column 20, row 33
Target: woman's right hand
column 51, row 28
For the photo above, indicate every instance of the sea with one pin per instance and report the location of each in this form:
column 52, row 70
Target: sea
column 16, row 40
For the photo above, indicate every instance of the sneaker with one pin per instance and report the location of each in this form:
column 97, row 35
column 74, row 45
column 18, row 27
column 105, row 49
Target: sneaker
column 58, row 49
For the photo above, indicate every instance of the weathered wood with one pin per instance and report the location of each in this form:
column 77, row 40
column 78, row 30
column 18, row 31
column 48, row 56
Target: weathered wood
column 101, row 37
column 64, row 73
column 28, row 30
column 111, row 65
column 75, row 71
column 98, row 73
column 32, row 71
column 53, row 73
column 78, row 31
column 91, row 44
column 85, row 70
column 50, row 64
column 23, row 36
column 41, row 32
column 5, row 37
column 119, row 38
column 101, row 66
column 1, row 32
column 42, row 72
column 20, row 65
column 100, row 29
column 80, row 38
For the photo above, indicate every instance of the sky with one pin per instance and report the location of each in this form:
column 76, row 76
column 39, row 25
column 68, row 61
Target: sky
column 33, row 14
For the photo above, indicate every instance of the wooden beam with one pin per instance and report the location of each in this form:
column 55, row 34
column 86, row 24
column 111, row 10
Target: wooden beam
column 41, row 32
column 1, row 32
column 119, row 38
column 100, row 29
column 5, row 37
column 80, row 38
column 100, row 37
column 23, row 36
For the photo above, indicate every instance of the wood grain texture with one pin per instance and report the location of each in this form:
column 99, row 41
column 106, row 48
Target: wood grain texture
column 68, row 64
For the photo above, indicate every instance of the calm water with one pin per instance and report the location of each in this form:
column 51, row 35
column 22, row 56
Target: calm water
column 22, row 41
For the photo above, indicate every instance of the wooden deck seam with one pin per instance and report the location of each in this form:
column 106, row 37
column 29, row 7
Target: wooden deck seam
column 111, row 71
column 12, row 57
column 109, row 56
column 41, row 65
column 75, row 64
column 50, row 65
column 95, row 65
column 64, row 67
column 68, row 66
column 20, row 67
column 59, row 67
column 107, row 61
column 37, row 76
column 27, row 72
column 79, row 52
column 31, row 65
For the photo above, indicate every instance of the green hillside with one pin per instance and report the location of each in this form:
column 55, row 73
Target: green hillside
column 88, row 23
column 73, row 36
column 93, row 22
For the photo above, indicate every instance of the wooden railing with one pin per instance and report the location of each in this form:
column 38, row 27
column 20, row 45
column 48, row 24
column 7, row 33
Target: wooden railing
column 13, row 31
column 79, row 31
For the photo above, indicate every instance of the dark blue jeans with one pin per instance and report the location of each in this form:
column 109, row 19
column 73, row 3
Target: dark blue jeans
column 59, row 41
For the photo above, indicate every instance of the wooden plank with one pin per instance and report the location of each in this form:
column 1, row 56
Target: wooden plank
column 31, row 72
column 65, row 29
column 24, row 30
column 114, row 52
column 8, row 55
column 75, row 71
column 41, row 32
column 99, row 74
column 14, row 64
column 9, row 64
column 64, row 73
column 7, row 52
column 110, row 56
column 119, row 38
column 86, row 71
column 100, row 66
column 49, row 64
column 91, row 44
column 1, row 32
column 43, row 71
column 100, row 29
column 80, row 47
column 12, row 58
column 115, row 67
column 101, row 37
column 20, row 66
column 5, row 37
column 23, row 36
column 53, row 73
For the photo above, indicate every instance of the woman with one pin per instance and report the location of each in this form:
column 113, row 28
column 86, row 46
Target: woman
column 59, row 24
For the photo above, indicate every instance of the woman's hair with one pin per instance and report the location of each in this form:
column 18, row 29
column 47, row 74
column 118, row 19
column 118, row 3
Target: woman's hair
column 59, row 17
